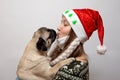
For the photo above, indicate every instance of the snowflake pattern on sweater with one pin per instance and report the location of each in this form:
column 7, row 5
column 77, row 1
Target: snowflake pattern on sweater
column 75, row 70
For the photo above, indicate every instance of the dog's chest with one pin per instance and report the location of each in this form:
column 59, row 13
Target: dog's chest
column 37, row 63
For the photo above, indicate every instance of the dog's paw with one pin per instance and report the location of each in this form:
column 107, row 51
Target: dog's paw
column 66, row 61
column 69, row 60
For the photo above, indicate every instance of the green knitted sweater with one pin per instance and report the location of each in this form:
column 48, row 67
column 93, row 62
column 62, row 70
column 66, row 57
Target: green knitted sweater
column 75, row 70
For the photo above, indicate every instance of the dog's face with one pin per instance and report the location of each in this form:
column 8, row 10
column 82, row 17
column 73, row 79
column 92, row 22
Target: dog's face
column 44, row 38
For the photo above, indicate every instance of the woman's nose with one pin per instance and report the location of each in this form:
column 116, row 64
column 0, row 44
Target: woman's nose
column 59, row 27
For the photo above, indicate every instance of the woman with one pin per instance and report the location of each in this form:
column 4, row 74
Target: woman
column 76, row 27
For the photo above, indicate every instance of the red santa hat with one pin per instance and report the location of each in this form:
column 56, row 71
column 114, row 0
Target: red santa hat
column 84, row 22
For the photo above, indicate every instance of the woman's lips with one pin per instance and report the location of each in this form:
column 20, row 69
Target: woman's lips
column 58, row 33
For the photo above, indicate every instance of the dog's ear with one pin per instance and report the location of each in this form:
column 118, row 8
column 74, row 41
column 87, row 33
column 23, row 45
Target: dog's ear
column 40, row 45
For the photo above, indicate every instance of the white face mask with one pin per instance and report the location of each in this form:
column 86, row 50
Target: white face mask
column 61, row 41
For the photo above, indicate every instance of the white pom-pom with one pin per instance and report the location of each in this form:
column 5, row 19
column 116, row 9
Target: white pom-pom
column 101, row 49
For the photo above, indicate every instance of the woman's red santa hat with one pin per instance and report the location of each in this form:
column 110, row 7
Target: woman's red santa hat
column 84, row 22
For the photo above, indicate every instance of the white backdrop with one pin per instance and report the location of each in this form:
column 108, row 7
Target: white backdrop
column 20, row 18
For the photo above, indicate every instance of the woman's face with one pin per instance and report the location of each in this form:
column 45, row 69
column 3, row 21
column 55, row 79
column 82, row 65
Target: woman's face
column 64, row 28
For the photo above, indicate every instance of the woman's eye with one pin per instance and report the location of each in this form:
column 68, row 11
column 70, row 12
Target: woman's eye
column 65, row 24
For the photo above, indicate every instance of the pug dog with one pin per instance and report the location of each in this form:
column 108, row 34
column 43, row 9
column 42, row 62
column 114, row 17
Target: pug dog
column 34, row 65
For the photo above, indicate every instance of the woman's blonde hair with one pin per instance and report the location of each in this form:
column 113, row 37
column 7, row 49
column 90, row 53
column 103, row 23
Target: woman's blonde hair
column 77, row 52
